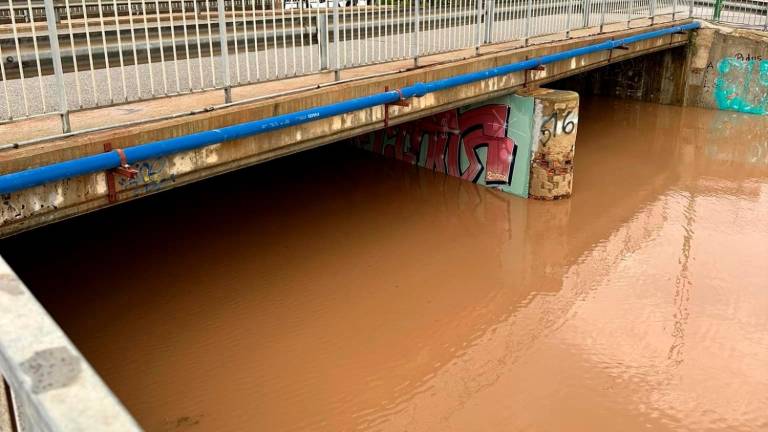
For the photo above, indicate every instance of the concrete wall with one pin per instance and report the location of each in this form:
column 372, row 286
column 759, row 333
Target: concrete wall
column 521, row 144
column 488, row 143
column 728, row 70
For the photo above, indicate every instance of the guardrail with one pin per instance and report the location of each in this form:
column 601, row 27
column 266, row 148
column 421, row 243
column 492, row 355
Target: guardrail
column 81, row 54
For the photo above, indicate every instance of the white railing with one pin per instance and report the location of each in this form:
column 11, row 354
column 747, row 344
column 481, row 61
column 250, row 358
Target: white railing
column 59, row 56
column 746, row 13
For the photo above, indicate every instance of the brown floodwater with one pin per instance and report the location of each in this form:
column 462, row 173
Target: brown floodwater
column 336, row 290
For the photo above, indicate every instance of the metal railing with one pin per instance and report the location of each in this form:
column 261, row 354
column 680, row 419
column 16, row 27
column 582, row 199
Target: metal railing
column 746, row 13
column 60, row 56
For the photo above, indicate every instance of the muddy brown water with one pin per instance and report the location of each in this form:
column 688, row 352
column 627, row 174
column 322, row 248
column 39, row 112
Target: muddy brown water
column 336, row 290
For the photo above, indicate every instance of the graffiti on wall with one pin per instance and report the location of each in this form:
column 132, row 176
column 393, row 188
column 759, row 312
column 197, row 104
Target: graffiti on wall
column 473, row 143
column 742, row 84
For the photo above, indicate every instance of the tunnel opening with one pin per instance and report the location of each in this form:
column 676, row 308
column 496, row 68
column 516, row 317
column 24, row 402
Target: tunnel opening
column 657, row 77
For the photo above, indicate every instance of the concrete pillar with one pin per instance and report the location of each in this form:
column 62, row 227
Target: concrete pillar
column 556, row 120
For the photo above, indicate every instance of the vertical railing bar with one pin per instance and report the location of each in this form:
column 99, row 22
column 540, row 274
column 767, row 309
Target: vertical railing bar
column 74, row 55
column 256, row 40
column 309, row 37
column 293, row 39
column 602, row 15
column 238, row 79
column 243, row 11
column 211, row 56
column 337, row 63
column 301, row 26
column 37, row 54
column 5, row 85
column 119, row 50
column 196, row 11
column 173, row 45
column 285, row 41
column 53, row 36
column 528, row 6
column 274, row 38
column 224, row 51
column 478, row 23
column 135, row 54
column 104, row 45
column 417, row 31
column 343, row 26
column 149, row 49
column 162, row 47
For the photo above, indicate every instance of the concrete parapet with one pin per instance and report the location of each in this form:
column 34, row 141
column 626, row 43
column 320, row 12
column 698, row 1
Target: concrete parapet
column 556, row 120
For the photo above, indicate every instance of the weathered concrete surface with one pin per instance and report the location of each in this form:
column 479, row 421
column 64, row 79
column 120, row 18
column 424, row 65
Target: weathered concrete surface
column 656, row 78
column 728, row 69
column 55, row 389
column 5, row 410
column 556, row 120
column 48, row 203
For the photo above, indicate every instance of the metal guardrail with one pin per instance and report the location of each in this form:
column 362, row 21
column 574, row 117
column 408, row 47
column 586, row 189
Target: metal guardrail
column 80, row 54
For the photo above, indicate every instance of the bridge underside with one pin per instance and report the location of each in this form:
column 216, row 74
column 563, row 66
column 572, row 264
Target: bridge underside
column 48, row 203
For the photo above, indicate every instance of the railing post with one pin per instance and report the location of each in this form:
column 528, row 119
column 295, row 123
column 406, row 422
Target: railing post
column 224, row 51
column 478, row 24
column 528, row 7
column 586, row 7
column 717, row 10
column 652, row 10
column 630, row 10
column 568, row 20
column 674, row 9
column 417, row 30
column 765, row 25
column 337, row 66
column 53, row 37
column 602, row 15
column 690, row 8
column 489, row 18
column 322, row 40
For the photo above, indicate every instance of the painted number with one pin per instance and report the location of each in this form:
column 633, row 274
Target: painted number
column 568, row 126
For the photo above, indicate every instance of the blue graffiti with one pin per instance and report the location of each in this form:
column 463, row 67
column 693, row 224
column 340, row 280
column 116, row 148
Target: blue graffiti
column 742, row 85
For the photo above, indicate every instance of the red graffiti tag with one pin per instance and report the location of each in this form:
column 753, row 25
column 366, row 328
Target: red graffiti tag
column 448, row 133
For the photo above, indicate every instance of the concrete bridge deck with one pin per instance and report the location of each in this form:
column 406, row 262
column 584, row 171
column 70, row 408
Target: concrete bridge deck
column 47, row 203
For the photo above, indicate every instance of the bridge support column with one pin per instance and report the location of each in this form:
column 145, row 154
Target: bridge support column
column 555, row 121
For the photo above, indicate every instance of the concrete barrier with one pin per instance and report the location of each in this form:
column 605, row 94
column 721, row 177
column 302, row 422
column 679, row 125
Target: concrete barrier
column 52, row 385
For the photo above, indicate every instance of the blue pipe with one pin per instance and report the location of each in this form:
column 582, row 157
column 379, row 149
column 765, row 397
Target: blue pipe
column 104, row 161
